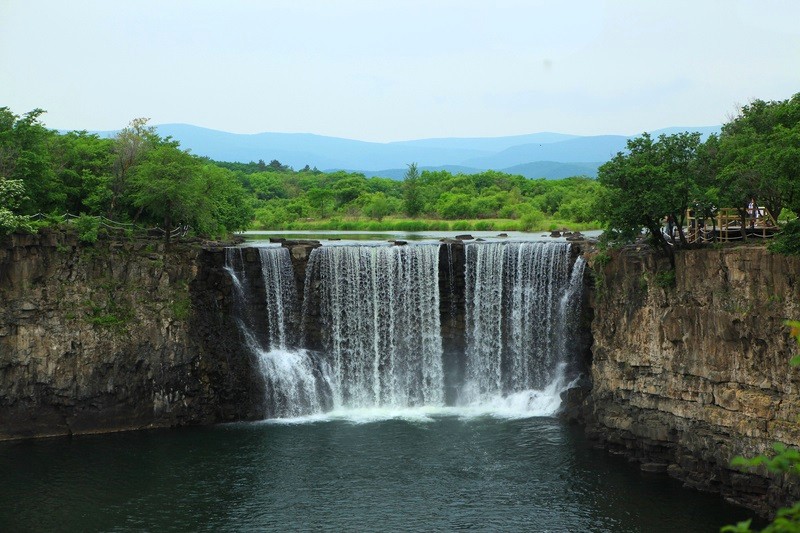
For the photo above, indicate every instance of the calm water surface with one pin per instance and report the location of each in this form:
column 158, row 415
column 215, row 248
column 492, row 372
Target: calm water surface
column 432, row 474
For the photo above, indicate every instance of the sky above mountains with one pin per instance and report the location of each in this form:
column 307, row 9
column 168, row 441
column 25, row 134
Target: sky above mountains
column 392, row 70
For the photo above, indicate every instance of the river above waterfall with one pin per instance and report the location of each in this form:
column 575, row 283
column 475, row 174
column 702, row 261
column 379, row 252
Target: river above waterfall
column 352, row 237
column 429, row 473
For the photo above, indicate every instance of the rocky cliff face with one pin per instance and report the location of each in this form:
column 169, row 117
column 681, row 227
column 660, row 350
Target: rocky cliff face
column 687, row 375
column 115, row 336
column 127, row 335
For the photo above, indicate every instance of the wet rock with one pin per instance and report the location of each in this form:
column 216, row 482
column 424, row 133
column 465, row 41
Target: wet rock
column 555, row 234
column 656, row 468
column 465, row 237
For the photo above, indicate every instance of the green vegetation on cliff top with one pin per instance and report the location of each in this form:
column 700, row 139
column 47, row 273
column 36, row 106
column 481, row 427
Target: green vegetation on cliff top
column 142, row 179
column 755, row 160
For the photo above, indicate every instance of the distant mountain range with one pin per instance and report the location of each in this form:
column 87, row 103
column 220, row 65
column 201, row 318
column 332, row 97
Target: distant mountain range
column 537, row 155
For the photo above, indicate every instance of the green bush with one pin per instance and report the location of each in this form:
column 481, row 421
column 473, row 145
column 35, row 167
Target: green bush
column 106, row 320
column 602, row 258
column 9, row 222
column 788, row 242
column 461, row 225
column 665, row 279
column 532, row 220
column 88, row 227
column 181, row 308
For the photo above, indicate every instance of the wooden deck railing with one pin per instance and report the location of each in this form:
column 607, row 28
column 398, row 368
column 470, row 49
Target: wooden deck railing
column 727, row 225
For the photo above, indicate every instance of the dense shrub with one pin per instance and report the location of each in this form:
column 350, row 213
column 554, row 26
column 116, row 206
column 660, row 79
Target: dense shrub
column 88, row 228
column 788, row 242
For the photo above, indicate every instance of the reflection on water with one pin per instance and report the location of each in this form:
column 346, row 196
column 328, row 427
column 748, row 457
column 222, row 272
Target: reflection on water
column 433, row 473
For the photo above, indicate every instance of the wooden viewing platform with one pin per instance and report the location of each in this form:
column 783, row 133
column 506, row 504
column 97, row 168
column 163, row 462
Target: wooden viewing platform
column 727, row 226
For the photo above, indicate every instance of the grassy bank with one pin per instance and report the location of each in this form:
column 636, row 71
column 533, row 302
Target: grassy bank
column 427, row 224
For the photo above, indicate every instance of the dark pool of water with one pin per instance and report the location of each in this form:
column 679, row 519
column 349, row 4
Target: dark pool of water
column 448, row 474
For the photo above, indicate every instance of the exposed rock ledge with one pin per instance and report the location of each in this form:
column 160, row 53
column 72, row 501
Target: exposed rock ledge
column 687, row 377
column 115, row 336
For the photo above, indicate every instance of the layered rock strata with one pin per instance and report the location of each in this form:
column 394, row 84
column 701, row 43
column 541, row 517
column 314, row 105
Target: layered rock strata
column 114, row 336
column 690, row 371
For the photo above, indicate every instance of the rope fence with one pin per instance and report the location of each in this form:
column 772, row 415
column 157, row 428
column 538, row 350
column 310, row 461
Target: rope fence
column 178, row 232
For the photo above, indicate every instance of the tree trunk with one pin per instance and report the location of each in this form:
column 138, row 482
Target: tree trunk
column 661, row 242
column 168, row 223
column 138, row 214
column 743, row 215
column 714, row 229
column 679, row 224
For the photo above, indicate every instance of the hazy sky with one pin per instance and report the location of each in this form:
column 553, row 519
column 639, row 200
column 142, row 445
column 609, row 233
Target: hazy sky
column 390, row 70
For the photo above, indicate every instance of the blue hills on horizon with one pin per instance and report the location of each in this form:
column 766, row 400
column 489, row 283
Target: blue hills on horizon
column 537, row 155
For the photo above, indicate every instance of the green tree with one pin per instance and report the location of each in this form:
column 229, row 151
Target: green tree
column 275, row 166
column 651, row 181
column 25, row 156
column 454, row 206
column 131, row 145
column 83, row 166
column 634, row 196
column 379, row 205
column 412, row 201
column 12, row 194
column 348, row 189
column 678, row 155
column 166, row 186
column 759, row 156
column 320, row 199
column 267, row 185
column 222, row 206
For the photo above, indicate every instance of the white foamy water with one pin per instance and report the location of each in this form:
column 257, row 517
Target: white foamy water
column 379, row 312
column 518, row 405
column 517, row 317
column 295, row 382
column 379, row 308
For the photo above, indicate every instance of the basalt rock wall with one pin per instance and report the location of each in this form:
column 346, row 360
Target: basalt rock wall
column 689, row 372
column 114, row 336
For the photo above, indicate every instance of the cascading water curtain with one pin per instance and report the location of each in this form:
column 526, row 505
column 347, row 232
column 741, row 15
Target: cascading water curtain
column 281, row 292
column 379, row 313
column 570, row 308
column 295, row 382
column 514, row 316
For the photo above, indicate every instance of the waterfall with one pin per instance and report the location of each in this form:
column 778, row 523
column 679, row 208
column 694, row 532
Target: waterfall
column 570, row 309
column 278, row 276
column 295, row 380
column 518, row 298
column 379, row 316
column 500, row 340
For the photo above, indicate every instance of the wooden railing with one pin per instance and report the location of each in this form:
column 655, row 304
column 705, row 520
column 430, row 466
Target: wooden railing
column 727, row 225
